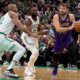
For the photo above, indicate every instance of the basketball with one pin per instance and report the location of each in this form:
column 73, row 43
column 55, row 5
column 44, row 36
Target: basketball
column 77, row 26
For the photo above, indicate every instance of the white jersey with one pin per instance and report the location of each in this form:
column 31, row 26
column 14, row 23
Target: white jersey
column 27, row 39
column 34, row 24
column 6, row 24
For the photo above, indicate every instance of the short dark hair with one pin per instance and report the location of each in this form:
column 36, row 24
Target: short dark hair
column 33, row 5
column 64, row 4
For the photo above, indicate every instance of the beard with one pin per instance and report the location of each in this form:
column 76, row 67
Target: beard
column 34, row 15
column 63, row 14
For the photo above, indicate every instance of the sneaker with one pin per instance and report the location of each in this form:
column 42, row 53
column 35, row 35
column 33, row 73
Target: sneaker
column 69, row 66
column 54, row 74
column 28, row 71
column 74, row 67
column 10, row 73
column 54, row 77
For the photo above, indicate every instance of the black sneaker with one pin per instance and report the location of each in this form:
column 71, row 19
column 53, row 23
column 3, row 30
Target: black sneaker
column 10, row 73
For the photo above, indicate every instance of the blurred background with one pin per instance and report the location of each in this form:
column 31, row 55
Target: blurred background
column 46, row 10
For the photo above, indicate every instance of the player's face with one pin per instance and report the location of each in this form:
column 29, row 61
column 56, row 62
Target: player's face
column 34, row 11
column 63, row 10
column 15, row 9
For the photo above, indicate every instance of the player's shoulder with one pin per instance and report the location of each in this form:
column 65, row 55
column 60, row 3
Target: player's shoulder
column 56, row 15
column 71, row 14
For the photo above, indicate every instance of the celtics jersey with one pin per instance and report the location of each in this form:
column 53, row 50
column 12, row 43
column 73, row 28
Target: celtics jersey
column 29, row 41
column 6, row 24
column 34, row 24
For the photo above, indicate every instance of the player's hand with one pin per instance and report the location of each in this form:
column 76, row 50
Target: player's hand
column 65, row 50
column 34, row 35
column 73, row 25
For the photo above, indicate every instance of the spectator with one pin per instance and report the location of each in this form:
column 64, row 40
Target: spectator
column 46, row 11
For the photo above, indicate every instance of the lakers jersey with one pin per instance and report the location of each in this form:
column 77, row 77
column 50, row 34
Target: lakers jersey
column 62, row 40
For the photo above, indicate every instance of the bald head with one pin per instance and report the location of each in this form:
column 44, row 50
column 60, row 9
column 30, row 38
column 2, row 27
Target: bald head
column 12, row 7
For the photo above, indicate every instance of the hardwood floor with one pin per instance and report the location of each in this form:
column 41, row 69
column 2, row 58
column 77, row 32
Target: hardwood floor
column 42, row 74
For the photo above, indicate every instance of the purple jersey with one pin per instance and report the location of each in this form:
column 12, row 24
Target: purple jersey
column 62, row 40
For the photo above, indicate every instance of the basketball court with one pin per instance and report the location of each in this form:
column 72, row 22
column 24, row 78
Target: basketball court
column 43, row 73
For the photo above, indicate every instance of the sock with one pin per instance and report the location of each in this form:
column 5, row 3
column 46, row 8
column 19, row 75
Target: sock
column 16, row 58
column 55, row 70
column 11, row 66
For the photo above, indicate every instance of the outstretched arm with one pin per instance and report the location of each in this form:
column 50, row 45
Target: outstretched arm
column 18, row 23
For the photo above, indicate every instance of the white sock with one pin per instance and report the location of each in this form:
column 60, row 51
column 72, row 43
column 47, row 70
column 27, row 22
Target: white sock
column 12, row 64
column 16, row 58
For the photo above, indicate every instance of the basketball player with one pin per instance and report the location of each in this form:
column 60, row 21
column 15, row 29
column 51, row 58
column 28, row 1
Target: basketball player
column 7, row 23
column 31, row 43
column 63, row 23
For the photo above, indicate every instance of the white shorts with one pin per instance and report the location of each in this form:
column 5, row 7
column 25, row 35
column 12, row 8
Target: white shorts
column 30, row 42
column 8, row 44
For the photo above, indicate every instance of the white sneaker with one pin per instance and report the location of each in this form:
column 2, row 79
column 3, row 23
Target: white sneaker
column 11, row 74
column 55, row 77
column 28, row 71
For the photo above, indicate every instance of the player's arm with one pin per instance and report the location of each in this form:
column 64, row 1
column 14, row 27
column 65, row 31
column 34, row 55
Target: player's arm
column 28, row 24
column 72, row 19
column 18, row 23
column 42, row 32
column 57, row 25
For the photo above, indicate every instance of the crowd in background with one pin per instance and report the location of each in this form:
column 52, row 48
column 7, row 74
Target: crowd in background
column 46, row 10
